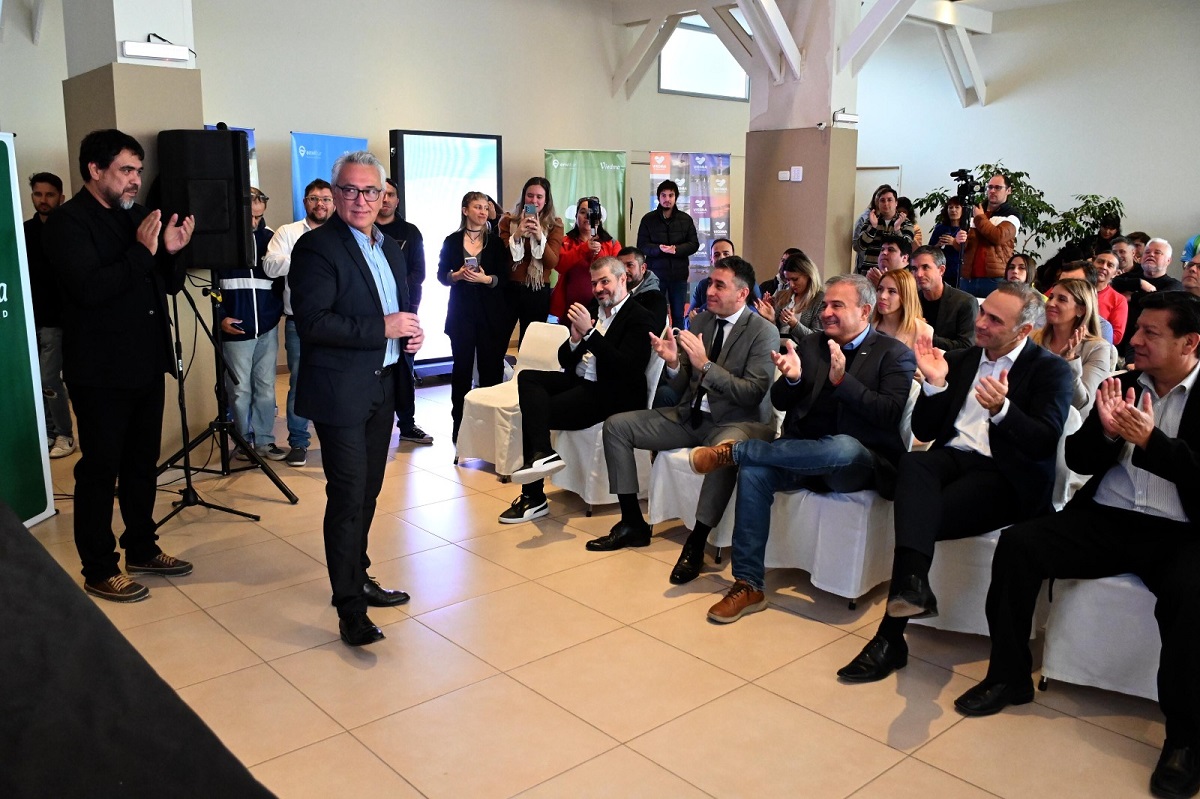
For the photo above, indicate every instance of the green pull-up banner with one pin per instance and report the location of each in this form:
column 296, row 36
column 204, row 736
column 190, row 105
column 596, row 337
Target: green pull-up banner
column 24, row 460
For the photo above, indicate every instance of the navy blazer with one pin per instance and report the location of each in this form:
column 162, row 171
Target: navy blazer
column 622, row 354
column 1175, row 459
column 1024, row 445
column 339, row 318
column 871, row 396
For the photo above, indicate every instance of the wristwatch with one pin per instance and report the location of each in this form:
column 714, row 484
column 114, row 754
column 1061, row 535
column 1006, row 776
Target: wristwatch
column 707, row 365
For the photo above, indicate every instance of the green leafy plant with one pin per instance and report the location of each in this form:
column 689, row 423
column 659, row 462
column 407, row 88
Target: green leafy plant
column 1041, row 223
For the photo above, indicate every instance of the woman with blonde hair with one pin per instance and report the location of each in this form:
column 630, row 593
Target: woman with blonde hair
column 533, row 234
column 1072, row 331
column 898, row 308
column 796, row 307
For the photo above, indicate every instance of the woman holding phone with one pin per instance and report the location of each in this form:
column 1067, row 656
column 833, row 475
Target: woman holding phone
column 581, row 246
column 533, row 235
column 474, row 266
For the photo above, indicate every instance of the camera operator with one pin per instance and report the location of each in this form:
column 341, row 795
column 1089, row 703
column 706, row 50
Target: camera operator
column 991, row 240
column 114, row 263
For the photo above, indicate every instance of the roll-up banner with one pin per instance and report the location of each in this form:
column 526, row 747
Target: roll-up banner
column 313, row 155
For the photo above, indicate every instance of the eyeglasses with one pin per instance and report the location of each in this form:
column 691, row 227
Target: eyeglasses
column 262, row 198
column 318, row 200
column 996, row 186
column 371, row 193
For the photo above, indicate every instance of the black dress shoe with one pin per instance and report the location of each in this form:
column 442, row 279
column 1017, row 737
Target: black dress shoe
column 687, row 568
column 1177, row 773
column 878, row 659
column 358, row 630
column 622, row 535
column 912, row 599
column 380, row 597
column 988, row 698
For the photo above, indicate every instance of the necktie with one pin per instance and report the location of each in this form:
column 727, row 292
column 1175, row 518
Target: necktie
column 714, row 352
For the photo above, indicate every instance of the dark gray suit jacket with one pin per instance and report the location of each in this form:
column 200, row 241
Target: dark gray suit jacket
column 954, row 328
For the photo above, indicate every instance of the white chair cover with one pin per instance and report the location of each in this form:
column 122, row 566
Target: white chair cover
column 491, row 424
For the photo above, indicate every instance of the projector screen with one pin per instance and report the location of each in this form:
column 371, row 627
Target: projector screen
column 434, row 171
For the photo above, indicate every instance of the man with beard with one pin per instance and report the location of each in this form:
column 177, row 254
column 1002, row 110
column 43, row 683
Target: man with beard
column 643, row 284
column 318, row 207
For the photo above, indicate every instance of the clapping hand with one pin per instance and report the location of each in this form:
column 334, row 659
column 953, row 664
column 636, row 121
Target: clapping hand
column 580, row 320
column 1121, row 416
column 873, row 218
column 931, row 361
column 766, row 308
column 1071, row 351
column 693, row 345
column 991, row 392
column 176, row 237
column 788, row 362
column 837, row 362
column 666, row 349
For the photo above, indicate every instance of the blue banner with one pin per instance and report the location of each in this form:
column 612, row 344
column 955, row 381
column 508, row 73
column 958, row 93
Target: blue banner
column 313, row 155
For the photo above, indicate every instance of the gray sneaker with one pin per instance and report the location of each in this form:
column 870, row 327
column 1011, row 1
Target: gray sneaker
column 297, row 456
column 271, row 452
column 64, row 446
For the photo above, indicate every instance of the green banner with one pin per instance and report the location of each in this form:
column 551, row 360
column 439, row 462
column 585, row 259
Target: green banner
column 24, row 460
column 589, row 173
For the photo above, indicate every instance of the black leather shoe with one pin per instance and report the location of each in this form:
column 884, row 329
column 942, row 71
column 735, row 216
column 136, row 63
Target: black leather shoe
column 623, row 535
column 380, row 597
column 912, row 599
column 358, row 630
column 987, row 698
column 878, row 659
column 1177, row 773
column 687, row 568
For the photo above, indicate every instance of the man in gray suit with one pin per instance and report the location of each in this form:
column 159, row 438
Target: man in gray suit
column 721, row 370
column 844, row 391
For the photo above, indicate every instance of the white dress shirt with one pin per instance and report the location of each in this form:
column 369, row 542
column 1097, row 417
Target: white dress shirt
column 277, row 261
column 586, row 368
column 973, row 419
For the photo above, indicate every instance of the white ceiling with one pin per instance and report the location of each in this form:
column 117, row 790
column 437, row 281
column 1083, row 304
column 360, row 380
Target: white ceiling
column 1010, row 5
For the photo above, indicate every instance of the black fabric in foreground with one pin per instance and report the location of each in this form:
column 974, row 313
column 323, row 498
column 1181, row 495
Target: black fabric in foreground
column 82, row 714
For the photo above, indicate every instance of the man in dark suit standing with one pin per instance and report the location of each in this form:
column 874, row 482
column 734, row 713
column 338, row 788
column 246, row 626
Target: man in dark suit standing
column 604, row 372
column 350, row 298
column 950, row 312
column 114, row 262
column 721, row 370
column 844, row 391
column 995, row 413
column 1138, row 513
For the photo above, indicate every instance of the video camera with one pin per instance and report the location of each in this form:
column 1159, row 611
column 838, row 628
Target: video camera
column 594, row 213
column 968, row 187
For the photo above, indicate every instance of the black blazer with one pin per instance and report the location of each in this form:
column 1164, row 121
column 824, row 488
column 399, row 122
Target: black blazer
column 954, row 328
column 621, row 356
column 473, row 304
column 1176, row 459
column 1024, row 445
column 871, row 397
column 340, row 321
column 116, row 323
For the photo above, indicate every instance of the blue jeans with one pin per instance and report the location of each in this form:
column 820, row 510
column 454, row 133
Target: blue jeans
column 764, row 467
column 677, row 297
column 54, row 393
column 252, row 399
column 298, row 435
column 979, row 286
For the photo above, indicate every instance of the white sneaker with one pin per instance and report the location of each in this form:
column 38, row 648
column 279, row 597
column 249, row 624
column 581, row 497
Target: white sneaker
column 539, row 469
column 63, row 447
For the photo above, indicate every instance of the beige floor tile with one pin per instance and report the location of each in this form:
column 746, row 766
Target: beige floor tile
column 912, row 779
column 337, row 766
column 562, row 502
column 533, row 550
column 174, row 646
column 962, row 653
column 417, row 488
column 258, row 715
column 66, row 555
column 795, row 751
column 517, row 625
column 610, row 682
column 165, row 602
column 238, row 573
column 792, row 589
column 204, row 538
column 1131, row 716
column 599, row 523
column 282, row 622
column 476, row 474
column 617, row 774
column 58, row 528
column 492, row 739
column 904, row 711
column 291, row 519
column 357, row 685
column 439, row 577
column 1032, row 750
column 627, row 586
column 391, row 537
column 459, row 518
column 750, row 647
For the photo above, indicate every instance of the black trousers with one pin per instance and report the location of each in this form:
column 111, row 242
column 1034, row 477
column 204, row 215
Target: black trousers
column 557, row 401
column 1089, row 541
column 525, row 306
column 406, row 394
column 119, row 430
column 353, row 458
column 472, row 345
column 944, row 494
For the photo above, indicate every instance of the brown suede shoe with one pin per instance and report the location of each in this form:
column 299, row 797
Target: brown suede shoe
column 741, row 599
column 709, row 459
